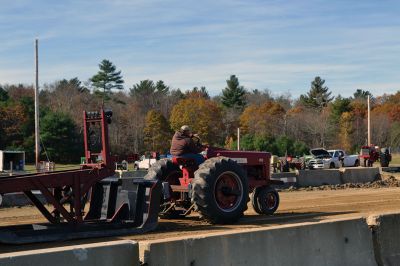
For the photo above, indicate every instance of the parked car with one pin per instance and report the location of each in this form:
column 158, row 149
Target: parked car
column 144, row 163
column 322, row 160
column 344, row 159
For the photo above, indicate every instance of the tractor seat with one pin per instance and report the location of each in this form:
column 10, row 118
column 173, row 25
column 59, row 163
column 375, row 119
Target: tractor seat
column 185, row 162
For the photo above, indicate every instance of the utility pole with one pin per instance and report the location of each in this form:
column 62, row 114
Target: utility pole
column 369, row 121
column 238, row 139
column 37, row 132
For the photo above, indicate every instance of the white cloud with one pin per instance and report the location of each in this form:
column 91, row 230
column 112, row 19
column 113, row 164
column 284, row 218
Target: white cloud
column 281, row 45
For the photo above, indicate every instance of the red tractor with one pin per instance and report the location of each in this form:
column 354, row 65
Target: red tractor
column 218, row 188
column 372, row 153
column 369, row 154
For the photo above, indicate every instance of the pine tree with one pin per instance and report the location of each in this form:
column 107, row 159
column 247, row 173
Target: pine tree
column 233, row 96
column 3, row 95
column 361, row 94
column 318, row 97
column 107, row 79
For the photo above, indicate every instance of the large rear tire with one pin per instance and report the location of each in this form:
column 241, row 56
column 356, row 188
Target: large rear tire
column 165, row 171
column 220, row 190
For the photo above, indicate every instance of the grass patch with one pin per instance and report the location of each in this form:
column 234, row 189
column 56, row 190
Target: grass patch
column 395, row 158
column 58, row 167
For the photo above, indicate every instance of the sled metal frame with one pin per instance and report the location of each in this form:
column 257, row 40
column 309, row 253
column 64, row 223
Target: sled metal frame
column 71, row 224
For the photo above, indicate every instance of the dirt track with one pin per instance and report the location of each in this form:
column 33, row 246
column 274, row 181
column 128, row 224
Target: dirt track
column 299, row 206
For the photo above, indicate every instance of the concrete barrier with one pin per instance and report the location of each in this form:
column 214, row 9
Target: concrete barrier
column 391, row 169
column 306, row 178
column 386, row 237
column 131, row 174
column 19, row 199
column 359, row 174
column 288, row 178
column 341, row 242
column 104, row 253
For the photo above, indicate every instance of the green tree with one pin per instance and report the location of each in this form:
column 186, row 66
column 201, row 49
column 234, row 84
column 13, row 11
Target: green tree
column 74, row 83
column 3, row 95
column 150, row 95
column 361, row 94
column 161, row 87
column 197, row 93
column 319, row 95
column 59, row 138
column 143, row 88
column 107, row 79
column 234, row 95
column 157, row 132
column 339, row 106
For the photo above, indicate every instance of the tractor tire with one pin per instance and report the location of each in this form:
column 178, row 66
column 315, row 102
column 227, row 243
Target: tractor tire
column 302, row 163
column 285, row 166
column 220, row 190
column 253, row 198
column 267, row 200
column 165, row 171
column 384, row 162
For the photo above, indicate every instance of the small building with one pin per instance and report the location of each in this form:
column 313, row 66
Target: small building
column 14, row 159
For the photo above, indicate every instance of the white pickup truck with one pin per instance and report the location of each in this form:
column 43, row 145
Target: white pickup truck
column 144, row 163
column 345, row 160
column 322, row 160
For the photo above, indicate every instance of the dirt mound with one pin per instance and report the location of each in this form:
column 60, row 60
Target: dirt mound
column 386, row 182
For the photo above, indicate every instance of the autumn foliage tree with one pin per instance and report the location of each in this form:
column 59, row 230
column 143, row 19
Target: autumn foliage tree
column 157, row 132
column 346, row 131
column 12, row 120
column 264, row 119
column 204, row 116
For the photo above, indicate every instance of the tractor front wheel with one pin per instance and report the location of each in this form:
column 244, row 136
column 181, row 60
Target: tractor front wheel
column 220, row 190
column 266, row 200
column 253, row 198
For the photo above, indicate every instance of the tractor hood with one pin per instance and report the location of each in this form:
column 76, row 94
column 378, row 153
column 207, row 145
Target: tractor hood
column 320, row 153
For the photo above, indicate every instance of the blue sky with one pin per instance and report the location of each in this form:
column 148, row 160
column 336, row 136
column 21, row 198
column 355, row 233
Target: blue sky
column 275, row 45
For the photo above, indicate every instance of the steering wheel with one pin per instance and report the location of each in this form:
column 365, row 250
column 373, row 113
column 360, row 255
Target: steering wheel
column 197, row 140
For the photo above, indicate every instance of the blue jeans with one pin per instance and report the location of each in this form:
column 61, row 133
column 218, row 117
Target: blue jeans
column 196, row 156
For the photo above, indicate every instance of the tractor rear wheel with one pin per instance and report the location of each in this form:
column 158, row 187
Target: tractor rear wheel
column 220, row 190
column 267, row 200
column 165, row 171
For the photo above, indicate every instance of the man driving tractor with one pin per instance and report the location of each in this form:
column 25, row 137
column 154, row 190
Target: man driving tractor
column 185, row 144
